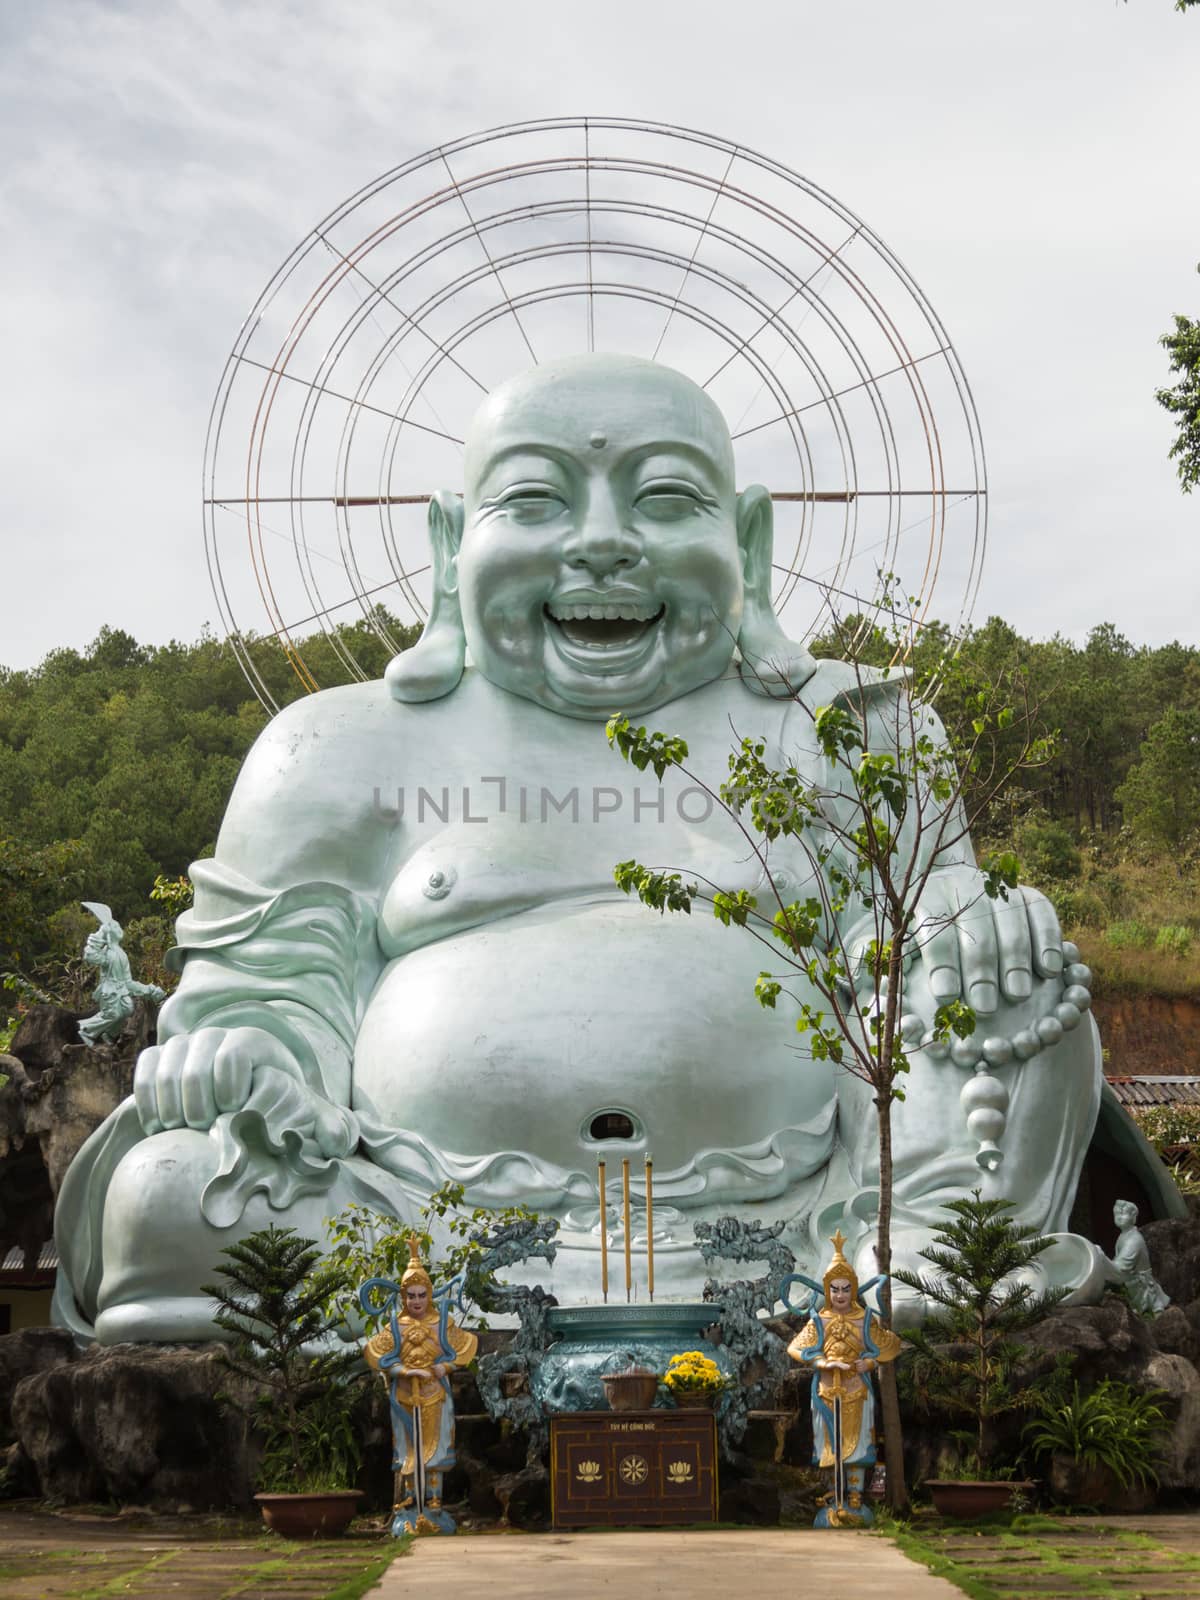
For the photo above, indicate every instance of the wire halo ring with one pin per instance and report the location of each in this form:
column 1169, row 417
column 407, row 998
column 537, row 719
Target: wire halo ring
column 751, row 277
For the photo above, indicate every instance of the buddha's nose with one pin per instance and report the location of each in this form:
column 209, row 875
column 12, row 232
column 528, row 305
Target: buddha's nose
column 599, row 542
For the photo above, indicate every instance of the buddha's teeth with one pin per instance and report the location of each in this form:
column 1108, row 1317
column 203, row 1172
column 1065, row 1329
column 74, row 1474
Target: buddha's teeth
column 614, row 613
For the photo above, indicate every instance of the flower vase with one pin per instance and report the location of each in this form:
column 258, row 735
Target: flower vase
column 696, row 1399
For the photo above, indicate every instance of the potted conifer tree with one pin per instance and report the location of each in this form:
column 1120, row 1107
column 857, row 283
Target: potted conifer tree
column 966, row 1355
column 269, row 1305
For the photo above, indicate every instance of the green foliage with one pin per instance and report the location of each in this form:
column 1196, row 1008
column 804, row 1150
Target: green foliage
column 1173, row 940
column 966, row 1354
column 364, row 1243
column 173, row 894
column 1174, row 1131
column 1168, row 1126
column 34, row 880
column 116, row 763
column 1160, row 796
column 1129, row 935
column 1078, row 908
column 1048, row 850
column 1183, row 399
column 642, row 750
column 1113, row 1426
column 270, row 1304
column 661, row 891
column 147, row 941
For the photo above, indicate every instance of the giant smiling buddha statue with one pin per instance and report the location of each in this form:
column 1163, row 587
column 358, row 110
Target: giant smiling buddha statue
column 408, row 961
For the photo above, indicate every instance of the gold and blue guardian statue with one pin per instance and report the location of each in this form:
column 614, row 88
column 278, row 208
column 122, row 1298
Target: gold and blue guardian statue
column 843, row 1344
column 416, row 1350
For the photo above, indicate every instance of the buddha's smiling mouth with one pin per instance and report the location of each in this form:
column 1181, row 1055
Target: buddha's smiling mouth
column 603, row 625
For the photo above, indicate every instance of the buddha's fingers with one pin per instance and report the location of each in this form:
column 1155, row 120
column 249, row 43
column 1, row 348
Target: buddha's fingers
column 936, row 938
column 196, row 1087
column 161, row 1092
column 235, row 1059
column 144, row 1096
column 1011, row 919
column 1044, row 933
column 979, row 953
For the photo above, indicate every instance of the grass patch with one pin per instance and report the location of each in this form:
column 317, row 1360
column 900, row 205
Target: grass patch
column 122, row 1580
column 344, row 1571
column 358, row 1584
column 996, row 1562
column 1128, row 970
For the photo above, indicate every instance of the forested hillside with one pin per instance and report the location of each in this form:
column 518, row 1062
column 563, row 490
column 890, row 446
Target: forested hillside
column 116, row 763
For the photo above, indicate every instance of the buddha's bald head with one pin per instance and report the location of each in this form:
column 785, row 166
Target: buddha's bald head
column 601, row 558
column 598, row 404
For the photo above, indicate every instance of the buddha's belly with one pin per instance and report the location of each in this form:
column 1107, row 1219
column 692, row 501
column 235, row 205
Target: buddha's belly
column 516, row 1036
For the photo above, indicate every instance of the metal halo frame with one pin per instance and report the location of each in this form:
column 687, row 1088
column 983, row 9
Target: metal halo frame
column 722, row 262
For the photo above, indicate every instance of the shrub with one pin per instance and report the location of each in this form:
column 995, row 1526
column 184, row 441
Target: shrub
column 1114, row 1426
column 1078, row 908
column 1167, row 1126
column 1129, row 935
column 1048, row 852
column 364, row 1243
column 1173, row 939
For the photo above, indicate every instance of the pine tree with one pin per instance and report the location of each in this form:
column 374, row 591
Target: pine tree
column 966, row 1353
column 270, row 1305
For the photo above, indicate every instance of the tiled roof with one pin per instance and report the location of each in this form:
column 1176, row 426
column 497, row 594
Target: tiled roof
column 1177, row 1091
column 47, row 1261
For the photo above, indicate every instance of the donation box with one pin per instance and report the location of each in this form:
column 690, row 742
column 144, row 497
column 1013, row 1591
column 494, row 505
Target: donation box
column 615, row 1468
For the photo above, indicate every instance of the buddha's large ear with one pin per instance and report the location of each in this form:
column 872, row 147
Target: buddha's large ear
column 772, row 664
column 434, row 665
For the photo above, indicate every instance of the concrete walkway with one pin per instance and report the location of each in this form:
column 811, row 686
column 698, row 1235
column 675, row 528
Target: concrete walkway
column 701, row 1565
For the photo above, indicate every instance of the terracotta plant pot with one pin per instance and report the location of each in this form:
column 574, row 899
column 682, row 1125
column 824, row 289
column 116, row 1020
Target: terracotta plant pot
column 695, row 1399
column 630, row 1391
column 967, row 1498
column 1072, row 1484
column 309, row 1516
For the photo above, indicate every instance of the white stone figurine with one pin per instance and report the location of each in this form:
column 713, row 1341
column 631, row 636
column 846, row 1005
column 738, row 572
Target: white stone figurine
column 115, row 992
column 1130, row 1263
column 408, row 961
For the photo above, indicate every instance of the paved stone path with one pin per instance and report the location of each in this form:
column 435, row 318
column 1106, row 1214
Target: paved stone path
column 1075, row 1558
column 82, row 1555
column 77, row 1556
column 699, row 1564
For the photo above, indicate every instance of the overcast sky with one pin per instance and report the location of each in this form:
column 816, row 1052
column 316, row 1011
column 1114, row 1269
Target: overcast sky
column 1033, row 163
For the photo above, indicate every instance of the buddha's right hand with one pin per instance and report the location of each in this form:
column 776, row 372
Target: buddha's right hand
column 189, row 1081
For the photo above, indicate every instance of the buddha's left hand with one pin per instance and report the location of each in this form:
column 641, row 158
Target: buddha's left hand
column 980, row 950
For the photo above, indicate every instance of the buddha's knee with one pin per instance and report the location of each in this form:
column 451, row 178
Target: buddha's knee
column 158, row 1249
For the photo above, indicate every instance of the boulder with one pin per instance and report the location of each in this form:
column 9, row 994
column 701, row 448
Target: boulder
column 1179, row 1379
column 1109, row 1340
column 1174, row 1245
column 524, row 1496
column 57, row 1093
column 750, row 1493
column 1174, row 1332
column 139, row 1425
column 67, row 1088
column 29, row 1351
column 44, row 1033
column 1071, row 1483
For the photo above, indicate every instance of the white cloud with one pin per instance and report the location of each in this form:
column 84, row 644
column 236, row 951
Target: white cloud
column 1032, row 165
